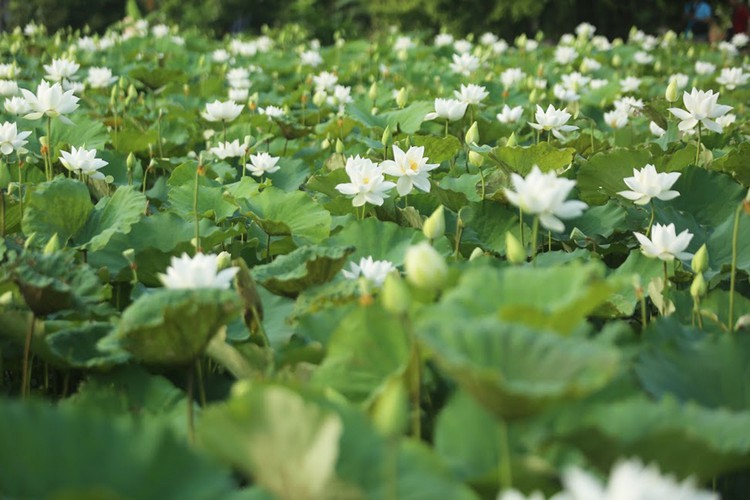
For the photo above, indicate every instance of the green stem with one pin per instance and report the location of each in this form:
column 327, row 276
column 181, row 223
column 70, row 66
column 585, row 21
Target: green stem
column 201, row 386
column 520, row 227
column 459, row 234
column 505, row 472
column 2, row 213
column 195, row 210
column 733, row 273
column 644, row 312
column 446, row 127
column 651, row 221
column 49, row 148
column 481, row 173
column 549, row 241
column 20, row 187
column 190, row 402
column 224, row 124
column 534, row 236
column 698, row 149
column 665, row 291
column 25, row 383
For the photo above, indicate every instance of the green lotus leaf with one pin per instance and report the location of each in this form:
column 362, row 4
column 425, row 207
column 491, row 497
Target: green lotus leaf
column 368, row 347
column 60, row 206
column 735, row 163
column 212, row 202
column 521, row 159
column 55, row 282
column 465, row 184
column 711, row 197
column 110, row 216
column 487, row 224
column 684, row 439
column 280, row 213
column 637, row 268
column 172, row 327
column 85, row 132
column 307, row 266
column 409, row 119
column 437, row 149
column 155, row 78
column 601, row 177
column 55, row 451
column 76, row 347
column 515, row 371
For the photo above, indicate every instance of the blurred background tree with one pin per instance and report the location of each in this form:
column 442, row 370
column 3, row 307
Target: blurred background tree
column 353, row 18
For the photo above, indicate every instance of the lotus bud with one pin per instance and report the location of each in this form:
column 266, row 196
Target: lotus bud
column 390, row 413
column 476, row 253
column 616, row 60
column 671, row 93
column 657, row 66
column 472, row 135
column 395, row 294
column 514, row 251
column 425, row 267
column 387, row 136
column 53, row 245
column 223, row 261
column 130, row 162
column 690, row 53
column 113, row 94
column 339, row 146
column 326, row 143
column 475, row 159
column 533, row 96
column 512, row 141
column 319, row 98
column 401, row 97
column 698, row 288
column 373, row 92
column 129, row 255
column 434, row 226
column 700, row 260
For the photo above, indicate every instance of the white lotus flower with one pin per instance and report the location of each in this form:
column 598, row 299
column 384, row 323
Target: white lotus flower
column 9, row 71
column 656, row 129
column 726, row 120
column 325, row 81
column 367, row 182
column 488, row 39
column 617, row 118
column 374, row 271
column 443, row 40
column 411, row 168
column 200, row 271
column 643, row 58
column 511, row 77
column 16, row 106
column 341, row 95
column 681, row 79
column 471, row 94
column 462, row 46
column 629, row 104
column 100, row 78
column 8, row 88
column 239, row 94
column 311, row 58
column 630, row 480
column 646, row 183
column 220, row 55
column 588, row 65
column 83, row 161
column 544, row 195
column 12, row 140
column 630, row 84
column 448, row 109
column 218, row 111
column 700, row 107
column 552, row 120
column 271, row 111
column 732, row 78
column 238, row 78
column 665, row 244
column 565, row 55
column 225, row 150
column 585, row 30
column 704, row 67
column 160, row 30
column 509, row 115
column 50, row 101
column 740, row 40
column 575, row 81
column 262, row 163
column 464, row 64
column 565, row 94
column 61, row 69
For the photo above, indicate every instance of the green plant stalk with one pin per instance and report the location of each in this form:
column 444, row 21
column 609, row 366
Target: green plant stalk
column 195, row 209
column 190, row 412
column 20, row 187
column 446, row 127
column 534, row 236
column 415, row 389
column 49, row 148
column 733, row 272
column 201, row 386
column 520, row 227
column 644, row 312
column 505, row 472
column 651, row 220
column 25, row 376
column 2, row 213
column 698, row 149
column 481, row 173
column 665, row 291
column 224, row 125
column 459, row 234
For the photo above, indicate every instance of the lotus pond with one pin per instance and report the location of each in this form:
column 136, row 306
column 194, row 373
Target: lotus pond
column 395, row 267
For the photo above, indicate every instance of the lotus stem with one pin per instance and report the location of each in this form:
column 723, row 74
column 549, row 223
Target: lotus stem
column 505, row 472
column 481, row 173
column 534, row 236
column 201, row 385
column 25, row 377
column 48, row 156
column 698, row 149
column 195, row 209
column 190, row 412
column 651, row 220
column 733, row 272
column 520, row 226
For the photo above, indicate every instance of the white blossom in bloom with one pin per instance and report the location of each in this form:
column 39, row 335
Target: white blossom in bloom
column 629, row 104
column 411, row 168
column 565, row 55
column 11, row 139
column 732, row 78
column 601, row 43
column 665, row 244
column 488, row 39
column 17, row 106
column 8, row 88
column 643, row 58
column 263, row 163
column 218, row 111
column 220, row 56
column 225, row 150
column 471, row 94
column 630, row 84
column 271, row 111
column 704, row 68
column 83, row 161
column 575, row 81
column 448, row 109
column 403, row 43
column 366, row 182
column 464, row 64
column 509, row 115
column 500, row 47
column 311, row 58
column 681, row 79
column 511, row 77
column 585, row 30
column 544, row 195
column 740, row 40
column 647, row 183
column 552, row 120
column 100, row 78
column 565, row 94
column 530, row 45
column 726, row 120
column 238, row 94
column 597, row 83
column 462, row 46
column 199, row 271
column 728, row 49
column 238, row 78
column 443, row 40
column 61, row 69
column 374, row 271
column 9, row 71
column 656, row 129
column 325, row 81
column 700, row 107
column 617, row 118
column 588, row 65
column 50, row 100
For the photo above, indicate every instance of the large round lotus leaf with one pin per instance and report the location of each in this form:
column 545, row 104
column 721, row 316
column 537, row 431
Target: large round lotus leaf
column 76, row 347
column 307, row 266
column 60, row 207
column 54, row 282
column 172, row 327
column 515, row 371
